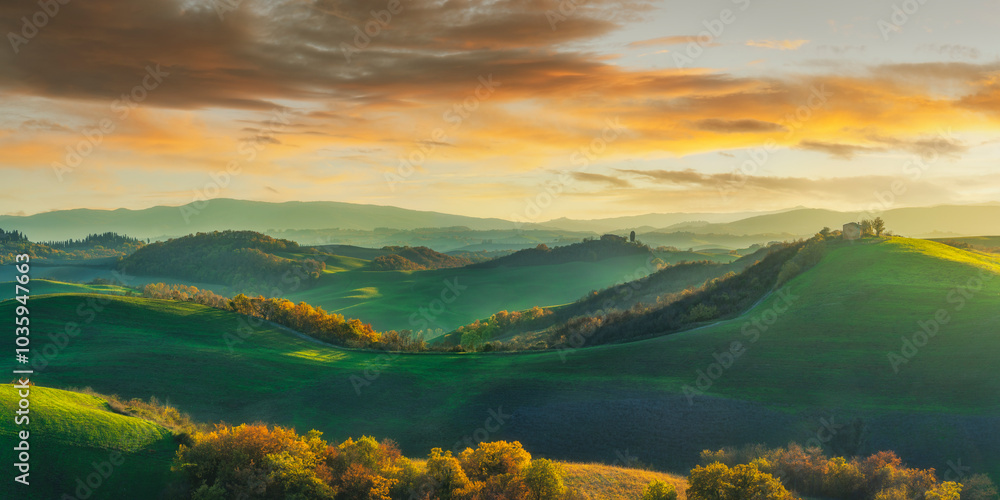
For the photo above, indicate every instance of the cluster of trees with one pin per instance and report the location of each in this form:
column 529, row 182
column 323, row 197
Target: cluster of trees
column 110, row 240
column 12, row 236
column 807, row 471
column 809, row 255
column 257, row 461
column 242, row 259
column 663, row 286
column 872, row 227
column 586, row 251
column 185, row 293
column 312, row 321
column 95, row 246
column 477, row 335
column 181, row 424
column 416, row 258
column 302, row 317
column 718, row 298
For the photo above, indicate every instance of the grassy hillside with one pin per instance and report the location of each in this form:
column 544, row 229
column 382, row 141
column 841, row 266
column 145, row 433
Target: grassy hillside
column 390, row 300
column 44, row 287
column 70, row 431
column 606, row 482
column 824, row 357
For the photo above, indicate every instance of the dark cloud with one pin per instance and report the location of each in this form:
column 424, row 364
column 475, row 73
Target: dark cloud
column 941, row 145
column 295, row 49
column 43, row 125
column 839, row 150
column 607, row 179
column 736, row 126
column 734, row 184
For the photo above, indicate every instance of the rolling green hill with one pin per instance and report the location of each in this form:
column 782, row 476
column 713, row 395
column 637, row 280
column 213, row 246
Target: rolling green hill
column 45, row 287
column 69, row 432
column 823, row 355
column 448, row 298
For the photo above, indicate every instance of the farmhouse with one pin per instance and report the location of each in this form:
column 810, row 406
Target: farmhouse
column 852, row 231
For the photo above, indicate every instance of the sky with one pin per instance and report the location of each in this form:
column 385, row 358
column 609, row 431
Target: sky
column 520, row 109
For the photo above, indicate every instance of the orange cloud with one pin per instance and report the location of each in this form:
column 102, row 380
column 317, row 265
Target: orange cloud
column 778, row 44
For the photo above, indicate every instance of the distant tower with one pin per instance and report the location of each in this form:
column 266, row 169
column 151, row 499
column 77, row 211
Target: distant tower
column 631, row 237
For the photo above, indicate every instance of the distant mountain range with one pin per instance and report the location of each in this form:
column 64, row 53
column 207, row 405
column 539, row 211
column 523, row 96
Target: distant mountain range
column 221, row 214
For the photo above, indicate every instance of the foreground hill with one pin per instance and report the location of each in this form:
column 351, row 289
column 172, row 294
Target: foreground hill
column 76, row 436
column 70, row 432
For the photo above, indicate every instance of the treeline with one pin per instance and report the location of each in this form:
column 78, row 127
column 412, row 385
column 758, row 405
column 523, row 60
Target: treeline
column 415, row 258
column 242, row 259
column 302, row 317
column 652, row 285
column 258, row 461
column 109, row 240
column 586, row 251
column 721, row 297
column 477, row 336
column 261, row 462
column 14, row 236
column 95, row 246
column 808, row 472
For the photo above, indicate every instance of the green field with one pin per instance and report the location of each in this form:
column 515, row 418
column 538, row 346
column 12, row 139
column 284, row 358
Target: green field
column 69, row 432
column 826, row 356
column 46, row 287
column 392, row 300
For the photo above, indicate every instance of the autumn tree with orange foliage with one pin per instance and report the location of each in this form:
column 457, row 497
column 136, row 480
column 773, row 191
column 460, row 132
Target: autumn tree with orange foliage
column 256, row 461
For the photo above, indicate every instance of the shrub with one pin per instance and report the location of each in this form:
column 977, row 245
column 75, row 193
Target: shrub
column 545, row 479
column 445, row 473
column 494, row 459
column 742, row 482
column 945, row 491
column 978, row 487
column 255, row 461
column 658, row 490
